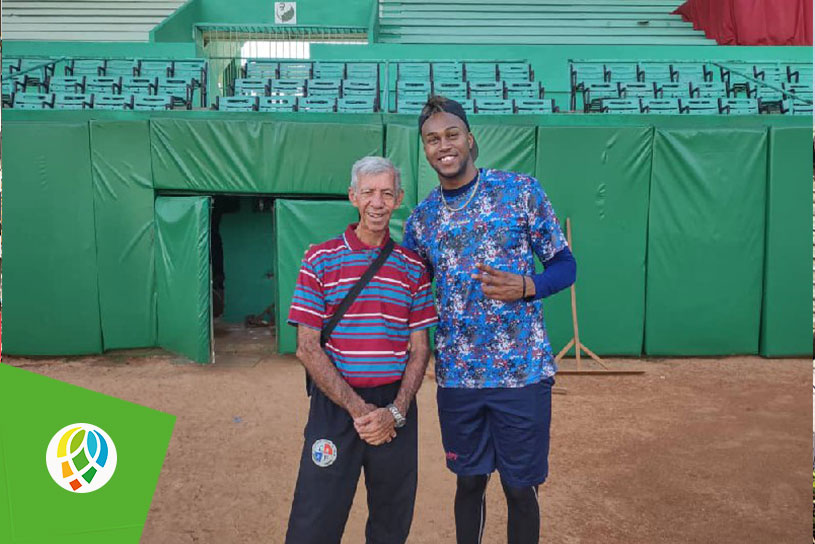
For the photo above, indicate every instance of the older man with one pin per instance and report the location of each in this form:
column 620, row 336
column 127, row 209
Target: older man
column 362, row 413
column 479, row 232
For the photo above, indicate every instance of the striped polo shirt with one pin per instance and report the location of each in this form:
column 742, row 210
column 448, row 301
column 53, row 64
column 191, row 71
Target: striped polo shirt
column 369, row 344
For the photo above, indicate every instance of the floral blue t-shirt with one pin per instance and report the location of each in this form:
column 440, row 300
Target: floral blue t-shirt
column 481, row 342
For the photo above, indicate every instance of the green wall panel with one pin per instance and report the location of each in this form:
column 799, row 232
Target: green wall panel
column 706, row 242
column 402, row 148
column 786, row 319
column 183, row 278
column 307, row 159
column 503, row 147
column 248, row 242
column 600, row 177
column 295, row 230
column 123, row 208
column 51, row 298
column 212, row 156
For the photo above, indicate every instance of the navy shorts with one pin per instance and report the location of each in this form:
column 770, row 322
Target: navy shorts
column 498, row 428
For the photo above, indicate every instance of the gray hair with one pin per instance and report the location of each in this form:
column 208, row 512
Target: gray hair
column 371, row 166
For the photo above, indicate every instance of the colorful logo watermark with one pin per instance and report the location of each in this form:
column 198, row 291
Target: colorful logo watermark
column 81, row 458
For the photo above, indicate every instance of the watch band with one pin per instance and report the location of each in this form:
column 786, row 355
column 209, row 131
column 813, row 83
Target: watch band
column 397, row 416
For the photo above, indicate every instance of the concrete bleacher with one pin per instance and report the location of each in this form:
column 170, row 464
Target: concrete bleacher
column 536, row 22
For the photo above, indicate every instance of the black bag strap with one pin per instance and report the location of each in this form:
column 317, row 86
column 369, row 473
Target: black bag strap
column 325, row 334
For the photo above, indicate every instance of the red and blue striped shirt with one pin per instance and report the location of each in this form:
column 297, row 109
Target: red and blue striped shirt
column 369, row 344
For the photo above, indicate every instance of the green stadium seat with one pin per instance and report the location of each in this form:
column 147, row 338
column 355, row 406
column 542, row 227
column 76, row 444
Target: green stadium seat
column 621, row 72
column 480, row 71
column 316, row 104
column 621, row 105
column 329, row 70
column 103, row 84
column 700, row 106
column 355, row 104
column 138, row 85
column 85, row 67
column 456, row 90
column 447, row 71
column 413, row 71
column 708, row 89
column 252, row 86
column 733, row 79
column 673, row 90
column 178, row 89
column 637, row 90
column 523, row 89
column 143, row 102
column 10, row 65
column 362, row 71
column 194, row 69
column 359, row 87
column 534, row 105
column 236, row 103
column 587, row 72
column 410, row 105
column 661, row 106
column 594, row 94
column 654, row 71
column 690, row 72
column 770, row 72
column 33, row 101
column 262, row 68
column 8, row 92
column 298, row 71
column 514, row 71
column 72, row 101
column 288, row 87
column 468, row 105
column 323, row 87
column 796, row 73
column 796, row 107
column 277, row 103
column 121, row 67
column 66, row 84
column 769, row 100
column 36, row 71
column 494, row 106
column 106, row 101
column 158, row 68
column 413, row 89
column 486, row 89
column 739, row 106
column 804, row 89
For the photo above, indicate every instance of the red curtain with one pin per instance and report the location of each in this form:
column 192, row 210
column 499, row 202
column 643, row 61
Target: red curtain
column 751, row 22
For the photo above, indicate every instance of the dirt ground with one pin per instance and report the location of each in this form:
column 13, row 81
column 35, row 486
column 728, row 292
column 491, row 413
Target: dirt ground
column 693, row 451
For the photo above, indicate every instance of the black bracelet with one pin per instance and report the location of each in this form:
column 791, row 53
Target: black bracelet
column 523, row 279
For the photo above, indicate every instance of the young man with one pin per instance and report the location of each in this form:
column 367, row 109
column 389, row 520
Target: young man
column 479, row 232
column 362, row 414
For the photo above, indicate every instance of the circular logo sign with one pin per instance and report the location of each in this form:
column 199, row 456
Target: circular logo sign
column 323, row 453
column 81, row 458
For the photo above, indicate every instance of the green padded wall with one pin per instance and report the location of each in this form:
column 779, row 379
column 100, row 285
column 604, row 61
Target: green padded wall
column 222, row 156
column 183, row 278
column 600, row 177
column 706, row 242
column 123, row 209
column 51, row 298
column 402, row 148
column 503, row 147
column 248, row 242
column 303, row 159
column 786, row 319
column 299, row 224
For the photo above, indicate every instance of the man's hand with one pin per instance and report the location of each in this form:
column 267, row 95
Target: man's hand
column 503, row 286
column 376, row 427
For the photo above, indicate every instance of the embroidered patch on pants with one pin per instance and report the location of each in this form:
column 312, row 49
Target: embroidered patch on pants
column 323, row 452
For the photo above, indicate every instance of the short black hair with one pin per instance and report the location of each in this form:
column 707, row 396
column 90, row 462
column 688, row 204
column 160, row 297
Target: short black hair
column 441, row 104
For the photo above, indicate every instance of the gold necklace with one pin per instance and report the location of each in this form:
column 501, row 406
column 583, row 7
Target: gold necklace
column 472, row 194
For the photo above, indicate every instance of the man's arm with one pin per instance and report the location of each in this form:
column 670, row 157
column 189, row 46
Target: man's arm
column 378, row 425
column 326, row 375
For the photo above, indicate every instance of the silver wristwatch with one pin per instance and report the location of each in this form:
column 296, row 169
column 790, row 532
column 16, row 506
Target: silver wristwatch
column 397, row 416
